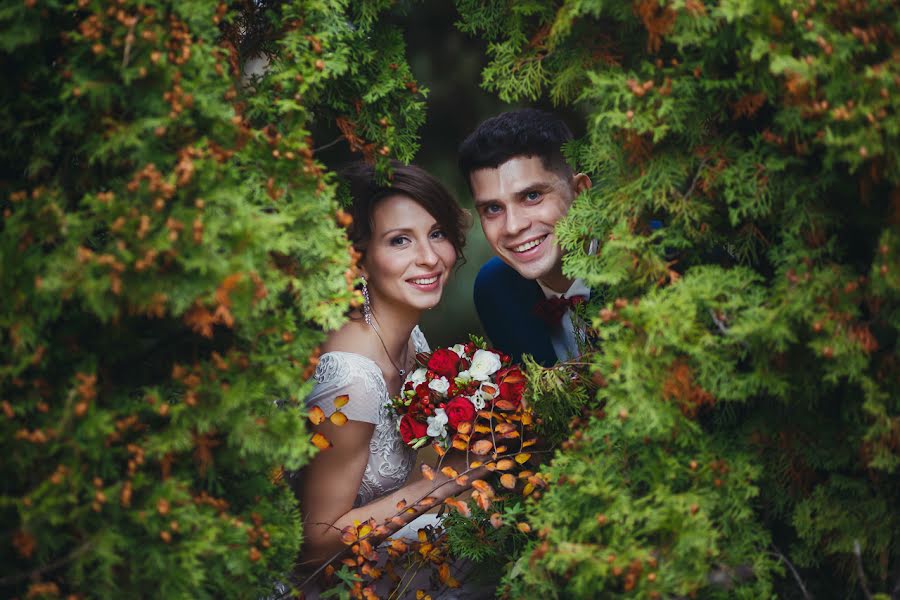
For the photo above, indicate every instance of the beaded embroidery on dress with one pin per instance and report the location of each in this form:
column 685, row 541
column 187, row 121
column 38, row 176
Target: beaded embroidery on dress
column 390, row 460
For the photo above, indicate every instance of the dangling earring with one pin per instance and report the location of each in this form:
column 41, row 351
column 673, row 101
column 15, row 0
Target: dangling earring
column 367, row 306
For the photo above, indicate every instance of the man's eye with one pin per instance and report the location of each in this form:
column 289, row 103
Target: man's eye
column 533, row 195
column 492, row 209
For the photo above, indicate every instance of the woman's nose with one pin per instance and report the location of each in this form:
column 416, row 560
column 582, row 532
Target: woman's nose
column 427, row 255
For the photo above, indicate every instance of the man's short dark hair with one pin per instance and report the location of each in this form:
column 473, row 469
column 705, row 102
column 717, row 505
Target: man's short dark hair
column 524, row 132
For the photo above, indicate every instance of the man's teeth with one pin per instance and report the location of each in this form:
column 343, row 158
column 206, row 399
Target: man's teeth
column 427, row 281
column 529, row 245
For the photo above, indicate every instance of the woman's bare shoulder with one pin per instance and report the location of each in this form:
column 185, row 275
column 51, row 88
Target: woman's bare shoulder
column 353, row 337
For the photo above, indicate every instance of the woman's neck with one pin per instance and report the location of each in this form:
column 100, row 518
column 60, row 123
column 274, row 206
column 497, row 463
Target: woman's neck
column 394, row 326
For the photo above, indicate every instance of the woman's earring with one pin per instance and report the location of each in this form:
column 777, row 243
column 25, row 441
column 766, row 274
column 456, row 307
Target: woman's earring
column 367, row 306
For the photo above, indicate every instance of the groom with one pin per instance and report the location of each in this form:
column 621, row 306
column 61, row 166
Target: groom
column 522, row 186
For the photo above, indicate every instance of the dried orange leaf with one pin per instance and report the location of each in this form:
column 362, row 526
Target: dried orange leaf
column 349, row 562
column 510, row 435
column 499, row 450
column 481, row 500
column 321, row 442
column 496, row 521
column 462, row 480
column 459, row 444
column 484, row 487
column 482, row 429
column 426, row 502
column 527, row 419
column 508, row 480
column 450, row 472
column 399, row 546
column 422, row 535
column 486, row 414
column 529, row 487
column 504, row 428
column 504, row 405
column 338, row 418
column 341, row 401
column 505, row 464
column 461, row 507
column 402, row 504
column 489, row 389
column 316, row 415
column 491, row 466
column 398, row 521
column 439, row 450
column 349, row 535
column 427, row 472
column 525, row 474
column 482, row 447
column 522, row 458
column 530, row 442
column 365, row 530
column 523, row 527
column 475, row 464
column 464, row 428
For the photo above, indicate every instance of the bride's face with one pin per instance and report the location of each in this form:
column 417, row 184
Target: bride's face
column 408, row 258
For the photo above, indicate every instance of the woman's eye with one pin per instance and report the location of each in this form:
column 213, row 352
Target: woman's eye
column 438, row 234
column 400, row 240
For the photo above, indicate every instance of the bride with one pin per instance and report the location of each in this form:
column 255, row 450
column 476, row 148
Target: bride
column 410, row 234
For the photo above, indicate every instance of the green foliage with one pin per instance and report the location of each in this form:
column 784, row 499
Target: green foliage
column 169, row 256
column 748, row 411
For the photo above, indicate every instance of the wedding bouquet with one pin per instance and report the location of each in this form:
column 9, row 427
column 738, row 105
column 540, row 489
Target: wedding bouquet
column 461, row 396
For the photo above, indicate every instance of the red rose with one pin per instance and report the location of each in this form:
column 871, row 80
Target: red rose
column 511, row 382
column 411, row 430
column 444, row 362
column 459, row 410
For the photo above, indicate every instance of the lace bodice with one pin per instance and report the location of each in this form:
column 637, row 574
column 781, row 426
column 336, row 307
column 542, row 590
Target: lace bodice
column 390, row 460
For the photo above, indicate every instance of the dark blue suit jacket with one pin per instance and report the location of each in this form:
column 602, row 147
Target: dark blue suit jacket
column 505, row 303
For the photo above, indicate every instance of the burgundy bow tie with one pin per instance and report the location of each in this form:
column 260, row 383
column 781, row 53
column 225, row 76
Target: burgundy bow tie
column 551, row 310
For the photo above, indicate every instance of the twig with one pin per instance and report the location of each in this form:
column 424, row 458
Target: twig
column 337, row 140
column 16, row 578
column 794, row 572
column 690, row 190
column 863, row 582
column 129, row 42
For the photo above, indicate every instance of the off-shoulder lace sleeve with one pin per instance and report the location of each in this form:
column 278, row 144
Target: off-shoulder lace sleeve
column 340, row 373
column 419, row 341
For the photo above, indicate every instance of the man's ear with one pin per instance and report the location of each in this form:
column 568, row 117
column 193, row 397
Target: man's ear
column 581, row 182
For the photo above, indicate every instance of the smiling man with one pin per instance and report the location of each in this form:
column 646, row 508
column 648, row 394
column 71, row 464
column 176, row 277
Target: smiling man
column 522, row 186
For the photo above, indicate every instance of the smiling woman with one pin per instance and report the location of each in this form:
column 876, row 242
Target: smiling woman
column 410, row 234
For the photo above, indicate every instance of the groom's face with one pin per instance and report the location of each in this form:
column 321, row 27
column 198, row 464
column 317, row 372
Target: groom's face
column 519, row 203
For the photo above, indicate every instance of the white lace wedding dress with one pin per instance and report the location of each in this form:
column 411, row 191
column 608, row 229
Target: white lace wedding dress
column 390, row 460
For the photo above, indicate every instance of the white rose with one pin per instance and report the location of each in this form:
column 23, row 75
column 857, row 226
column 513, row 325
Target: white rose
column 484, row 364
column 417, row 376
column 478, row 400
column 459, row 349
column 437, row 424
column 440, row 385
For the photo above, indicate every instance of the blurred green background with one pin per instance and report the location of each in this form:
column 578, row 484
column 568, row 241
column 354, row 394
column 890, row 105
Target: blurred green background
column 448, row 63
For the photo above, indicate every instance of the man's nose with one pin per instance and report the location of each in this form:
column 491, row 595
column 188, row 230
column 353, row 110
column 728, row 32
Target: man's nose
column 517, row 221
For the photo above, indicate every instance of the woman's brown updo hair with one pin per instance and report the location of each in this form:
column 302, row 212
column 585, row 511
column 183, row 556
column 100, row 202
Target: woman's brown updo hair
column 406, row 180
